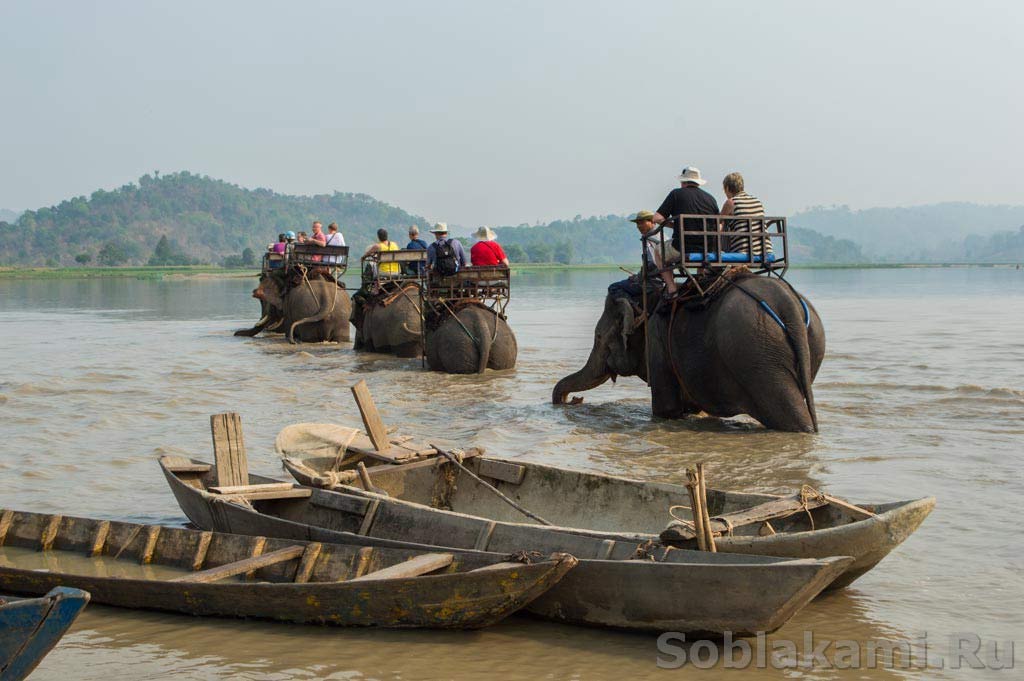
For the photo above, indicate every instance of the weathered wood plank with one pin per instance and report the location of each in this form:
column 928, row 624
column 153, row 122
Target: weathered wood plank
column 502, row 470
column 245, row 489
column 152, row 534
column 5, row 525
column 292, row 493
column 371, row 417
column 243, row 566
column 368, row 518
column 308, row 561
column 362, row 561
column 100, row 538
column 201, row 548
column 258, row 544
column 414, row 567
column 497, row 566
column 50, row 533
column 485, row 536
column 229, row 449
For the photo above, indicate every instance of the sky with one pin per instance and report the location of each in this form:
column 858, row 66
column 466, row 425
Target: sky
column 517, row 112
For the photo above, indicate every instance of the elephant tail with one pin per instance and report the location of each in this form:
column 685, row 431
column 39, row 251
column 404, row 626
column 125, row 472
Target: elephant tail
column 484, row 344
column 794, row 317
column 318, row 317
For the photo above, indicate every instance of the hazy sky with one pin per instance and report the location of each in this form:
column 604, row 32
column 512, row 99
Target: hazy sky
column 501, row 113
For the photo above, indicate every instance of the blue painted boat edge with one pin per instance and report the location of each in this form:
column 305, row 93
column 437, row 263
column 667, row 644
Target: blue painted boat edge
column 63, row 605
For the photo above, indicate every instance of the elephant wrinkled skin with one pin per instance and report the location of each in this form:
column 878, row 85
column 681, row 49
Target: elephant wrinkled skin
column 393, row 328
column 731, row 358
column 479, row 339
column 317, row 310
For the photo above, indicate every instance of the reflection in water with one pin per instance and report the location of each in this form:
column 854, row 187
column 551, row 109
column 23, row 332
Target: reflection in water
column 921, row 393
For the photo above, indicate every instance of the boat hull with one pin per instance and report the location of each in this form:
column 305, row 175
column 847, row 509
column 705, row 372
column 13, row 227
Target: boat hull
column 666, row 589
column 30, row 628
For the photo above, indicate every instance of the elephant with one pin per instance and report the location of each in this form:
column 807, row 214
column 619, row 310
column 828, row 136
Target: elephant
column 392, row 324
column 314, row 311
column 270, row 320
column 736, row 356
column 473, row 339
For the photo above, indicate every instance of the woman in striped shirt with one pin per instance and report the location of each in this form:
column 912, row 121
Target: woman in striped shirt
column 742, row 204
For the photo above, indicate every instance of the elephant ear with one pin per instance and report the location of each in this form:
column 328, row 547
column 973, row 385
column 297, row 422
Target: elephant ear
column 628, row 318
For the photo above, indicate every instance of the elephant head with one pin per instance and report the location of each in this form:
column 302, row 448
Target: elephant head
column 618, row 351
column 269, row 291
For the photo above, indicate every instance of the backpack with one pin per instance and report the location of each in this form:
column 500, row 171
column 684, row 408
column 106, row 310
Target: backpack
column 445, row 263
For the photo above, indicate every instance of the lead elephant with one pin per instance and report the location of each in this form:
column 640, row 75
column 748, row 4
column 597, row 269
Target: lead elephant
column 754, row 350
column 314, row 311
column 472, row 340
column 270, row 320
column 390, row 323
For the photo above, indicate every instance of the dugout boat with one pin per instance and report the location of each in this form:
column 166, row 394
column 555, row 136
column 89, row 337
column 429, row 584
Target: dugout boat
column 206, row 573
column 31, row 627
column 618, row 582
column 808, row 524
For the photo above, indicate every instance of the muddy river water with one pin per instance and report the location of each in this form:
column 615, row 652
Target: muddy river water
column 921, row 393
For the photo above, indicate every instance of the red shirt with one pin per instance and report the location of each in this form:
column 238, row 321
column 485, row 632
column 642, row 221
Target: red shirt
column 486, row 253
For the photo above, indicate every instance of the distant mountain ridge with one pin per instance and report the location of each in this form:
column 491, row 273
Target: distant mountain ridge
column 941, row 232
column 203, row 219
column 183, row 218
column 9, row 215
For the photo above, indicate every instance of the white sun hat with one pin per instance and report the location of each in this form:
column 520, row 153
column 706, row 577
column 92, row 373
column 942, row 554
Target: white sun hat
column 691, row 174
column 440, row 228
column 485, row 233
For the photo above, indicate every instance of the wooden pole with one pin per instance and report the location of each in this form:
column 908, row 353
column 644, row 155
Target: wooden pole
column 695, row 509
column 709, row 535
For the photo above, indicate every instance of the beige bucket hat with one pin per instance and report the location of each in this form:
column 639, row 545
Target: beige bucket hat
column 485, row 233
column 440, row 228
column 691, row 174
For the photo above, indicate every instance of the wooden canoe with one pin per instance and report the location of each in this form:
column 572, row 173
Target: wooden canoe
column 616, row 584
column 213, row 574
column 31, row 627
column 611, row 507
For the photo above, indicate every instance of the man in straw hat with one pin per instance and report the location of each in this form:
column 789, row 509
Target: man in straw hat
column 688, row 199
column 445, row 256
column 487, row 252
column 633, row 287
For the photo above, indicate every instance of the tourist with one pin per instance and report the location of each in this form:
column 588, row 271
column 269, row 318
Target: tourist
column 334, row 238
column 656, row 279
column 318, row 236
column 302, row 238
column 688, row 199
column 415, row 244
column 281, row 245
column 741, row 204
column 487, row 252
column 384, row 245
column 445, row 256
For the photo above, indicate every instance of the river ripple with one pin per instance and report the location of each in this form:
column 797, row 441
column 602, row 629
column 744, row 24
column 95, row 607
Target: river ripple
column 922, row 393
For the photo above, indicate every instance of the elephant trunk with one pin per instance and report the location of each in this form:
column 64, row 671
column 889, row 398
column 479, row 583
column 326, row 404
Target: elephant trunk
column 593, row 374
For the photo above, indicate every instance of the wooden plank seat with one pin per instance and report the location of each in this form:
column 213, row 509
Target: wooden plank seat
column 243, row 566
column 414, row 567
column 284, row 490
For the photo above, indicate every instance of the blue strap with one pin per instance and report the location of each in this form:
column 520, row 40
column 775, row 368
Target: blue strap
column 807, row 313
column 770, row 311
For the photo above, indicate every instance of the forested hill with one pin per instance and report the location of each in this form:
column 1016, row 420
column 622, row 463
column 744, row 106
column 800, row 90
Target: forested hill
column 612, row 239
column 201, row 220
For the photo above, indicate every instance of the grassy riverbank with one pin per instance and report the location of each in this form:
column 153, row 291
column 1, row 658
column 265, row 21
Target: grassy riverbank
column 196, row 271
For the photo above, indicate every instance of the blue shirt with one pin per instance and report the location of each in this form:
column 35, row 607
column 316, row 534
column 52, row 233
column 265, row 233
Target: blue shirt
column 460, row 253
column 416, row 245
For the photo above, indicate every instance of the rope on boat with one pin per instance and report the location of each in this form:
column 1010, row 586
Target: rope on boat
column 456, row 460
